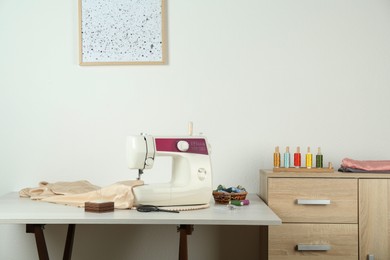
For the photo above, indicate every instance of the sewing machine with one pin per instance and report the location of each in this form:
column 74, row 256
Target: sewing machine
column 191, row 180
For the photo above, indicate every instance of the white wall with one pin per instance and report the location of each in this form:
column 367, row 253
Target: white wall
column 250, row 74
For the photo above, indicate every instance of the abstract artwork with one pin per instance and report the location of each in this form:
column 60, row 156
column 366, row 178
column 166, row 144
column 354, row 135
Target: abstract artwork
column 114, row 32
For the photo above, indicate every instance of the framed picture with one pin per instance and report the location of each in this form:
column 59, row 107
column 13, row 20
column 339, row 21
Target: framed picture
column 116, row 32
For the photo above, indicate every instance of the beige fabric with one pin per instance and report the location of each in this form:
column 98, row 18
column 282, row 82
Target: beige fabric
column 79, row 192
column 46, row 189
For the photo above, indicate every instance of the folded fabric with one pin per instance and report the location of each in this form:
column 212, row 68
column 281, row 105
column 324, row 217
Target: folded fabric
column 371, row 165
column 46, row 189
column 344, row 169
column 77, row 193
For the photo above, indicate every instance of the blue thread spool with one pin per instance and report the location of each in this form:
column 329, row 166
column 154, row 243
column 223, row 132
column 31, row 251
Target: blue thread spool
column 287, row 158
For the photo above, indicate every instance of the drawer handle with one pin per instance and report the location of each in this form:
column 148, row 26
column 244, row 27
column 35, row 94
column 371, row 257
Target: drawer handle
column 313, row 202
column 305, row 247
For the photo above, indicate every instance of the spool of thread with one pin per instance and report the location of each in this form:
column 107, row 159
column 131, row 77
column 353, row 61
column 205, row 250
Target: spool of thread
column 287, row 158
column 297, row 158
column 277, row 157
column 309, row 158
column 319, row 159
column 239, row 202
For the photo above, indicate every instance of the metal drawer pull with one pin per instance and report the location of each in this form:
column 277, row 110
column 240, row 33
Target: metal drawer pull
column 303, row 247
column 370, row 257
column 313, row 202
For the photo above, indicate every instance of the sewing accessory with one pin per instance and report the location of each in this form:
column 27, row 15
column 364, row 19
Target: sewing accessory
column 188, row 207
column 319, row 159
column 287, row 158
column 232, row 207
column 223, row 195
column 239, row 202
column 297, row 158
column 99, row 206
column 309, row 158
column 277, row 157
column 151, row 208
column 191, row 176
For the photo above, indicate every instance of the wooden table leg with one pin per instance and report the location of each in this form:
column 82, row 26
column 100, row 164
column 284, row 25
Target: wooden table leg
column 183, row 248
column 263, row 242
column 37, row 229
column 69, row 242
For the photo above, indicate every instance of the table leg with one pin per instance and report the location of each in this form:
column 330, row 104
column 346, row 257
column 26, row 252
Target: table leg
column 37, row 229
column 263, row 242
column 183, row 248
column 69, row 242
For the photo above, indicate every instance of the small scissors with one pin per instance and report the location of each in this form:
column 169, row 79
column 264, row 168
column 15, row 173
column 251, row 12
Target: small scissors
column 150, row 208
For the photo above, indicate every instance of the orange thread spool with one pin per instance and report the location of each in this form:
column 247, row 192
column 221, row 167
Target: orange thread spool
column 277, row 157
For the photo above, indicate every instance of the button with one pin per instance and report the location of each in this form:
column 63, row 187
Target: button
column 183, row 146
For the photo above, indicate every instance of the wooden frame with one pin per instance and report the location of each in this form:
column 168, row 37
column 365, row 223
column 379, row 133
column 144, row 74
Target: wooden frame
column 121, row 32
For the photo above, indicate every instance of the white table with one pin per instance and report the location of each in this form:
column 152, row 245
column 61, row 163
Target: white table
column 35, row 214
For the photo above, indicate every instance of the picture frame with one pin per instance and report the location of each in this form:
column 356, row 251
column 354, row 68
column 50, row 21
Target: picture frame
column 121, row 32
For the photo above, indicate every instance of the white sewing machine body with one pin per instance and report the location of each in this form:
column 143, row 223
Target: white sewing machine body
column 191, row 181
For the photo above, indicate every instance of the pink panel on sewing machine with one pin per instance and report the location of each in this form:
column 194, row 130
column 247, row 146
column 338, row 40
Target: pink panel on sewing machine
column 195, row 145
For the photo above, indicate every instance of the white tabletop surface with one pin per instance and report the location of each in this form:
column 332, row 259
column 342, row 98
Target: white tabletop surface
column 15, row 210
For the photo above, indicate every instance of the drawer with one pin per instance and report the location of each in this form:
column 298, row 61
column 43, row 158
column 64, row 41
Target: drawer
column 315, row 241
column 314, row 200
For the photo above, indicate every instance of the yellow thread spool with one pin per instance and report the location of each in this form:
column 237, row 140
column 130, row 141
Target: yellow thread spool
column 309, row 158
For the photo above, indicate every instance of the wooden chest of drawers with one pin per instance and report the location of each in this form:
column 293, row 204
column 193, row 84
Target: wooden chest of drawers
column 319, row 216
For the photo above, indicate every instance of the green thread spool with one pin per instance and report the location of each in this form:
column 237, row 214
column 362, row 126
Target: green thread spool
column 319, row 159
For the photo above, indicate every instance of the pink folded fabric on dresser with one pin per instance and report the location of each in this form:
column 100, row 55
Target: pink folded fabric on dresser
column 381, row 165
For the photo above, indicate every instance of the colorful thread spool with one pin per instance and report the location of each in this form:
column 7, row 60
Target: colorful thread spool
column 277, row 157
column 239, row 202
column 309, row 158
column 297, row 158
column 319, row 159
column 287, row 158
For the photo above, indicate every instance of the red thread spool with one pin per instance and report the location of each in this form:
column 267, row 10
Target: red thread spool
column 297, row 158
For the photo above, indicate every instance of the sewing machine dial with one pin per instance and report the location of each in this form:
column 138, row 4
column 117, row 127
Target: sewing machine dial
column 183, row 146
column 202, row 173
column 149, row 162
